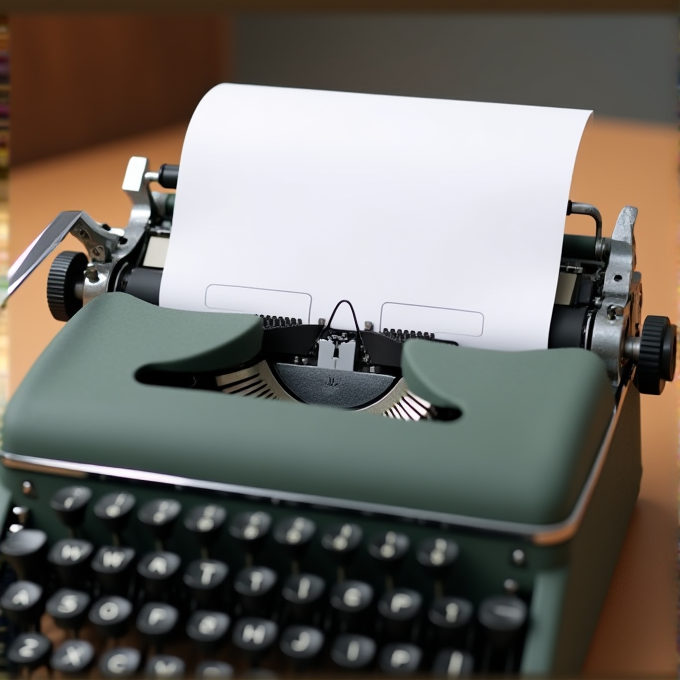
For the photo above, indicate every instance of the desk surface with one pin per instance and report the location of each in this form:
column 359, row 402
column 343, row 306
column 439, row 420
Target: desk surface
column 619, row 164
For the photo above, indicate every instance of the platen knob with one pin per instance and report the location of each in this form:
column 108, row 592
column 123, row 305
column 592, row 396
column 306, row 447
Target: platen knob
column 656, row 362
column 66, row 271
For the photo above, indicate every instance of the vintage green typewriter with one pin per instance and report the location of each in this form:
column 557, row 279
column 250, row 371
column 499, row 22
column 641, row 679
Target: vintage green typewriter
column 207, row 494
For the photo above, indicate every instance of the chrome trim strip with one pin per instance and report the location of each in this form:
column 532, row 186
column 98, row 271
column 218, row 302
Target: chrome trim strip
column 543, row 535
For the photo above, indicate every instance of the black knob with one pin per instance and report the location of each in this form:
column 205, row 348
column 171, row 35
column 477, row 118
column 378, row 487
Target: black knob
column 66, row 271
column 656, row 363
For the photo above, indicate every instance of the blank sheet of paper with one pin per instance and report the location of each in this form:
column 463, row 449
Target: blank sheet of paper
column 429, row 215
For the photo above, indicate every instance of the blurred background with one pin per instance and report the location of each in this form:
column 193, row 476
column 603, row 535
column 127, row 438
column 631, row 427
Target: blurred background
column 88, row 90
column 81, row 79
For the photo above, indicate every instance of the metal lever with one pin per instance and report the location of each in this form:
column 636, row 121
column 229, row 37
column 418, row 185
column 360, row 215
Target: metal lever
column 99, row 242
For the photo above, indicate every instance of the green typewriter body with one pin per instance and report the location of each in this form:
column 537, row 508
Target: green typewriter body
column 182, row 494
column 534, row 482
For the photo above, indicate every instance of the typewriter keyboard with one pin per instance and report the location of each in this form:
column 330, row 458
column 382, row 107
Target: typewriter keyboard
column 136, row 583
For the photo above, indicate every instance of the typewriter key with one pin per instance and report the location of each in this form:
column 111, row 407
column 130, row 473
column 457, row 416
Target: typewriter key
column 400, row 659
column 502, row 617
column 29, row 650
column 160, row 516
column 164, row 666
column 120, row 662
column 111, row 615
column 206, row 521
column 250, row 529
column 23, row 603
column 437, row 555
column 301, row 643
column 157, row 621
column 295, row 534
column 115, row 510
column 207, row 580
column 112, row 566
column 453, row 663
column 353, row 652
column 302, row 595
column 68, row 608
column 208, row 629
column 342, row 540
column 71, row 558
column 255, row 587
column 158, row 570
column 214, row 669
column 73, row 657
column 25, row 551
column 389, row 548
column 450, row 619
column 399, row 611
column 350, row 601
column 255, row 636
column 70, row 504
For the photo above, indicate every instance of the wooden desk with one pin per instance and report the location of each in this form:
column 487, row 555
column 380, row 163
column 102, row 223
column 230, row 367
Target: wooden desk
column 619, row 164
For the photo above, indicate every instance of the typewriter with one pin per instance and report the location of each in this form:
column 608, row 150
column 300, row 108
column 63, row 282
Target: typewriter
column 189, row 494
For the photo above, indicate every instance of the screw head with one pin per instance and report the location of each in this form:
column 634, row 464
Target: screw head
column 27, row 488
column 510, row 586
column 518, row 557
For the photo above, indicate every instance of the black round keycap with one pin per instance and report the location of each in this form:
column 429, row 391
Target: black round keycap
column 294, row 533
column 70, row 504
column 389, row 548
column 251, row 528
column 254, row 634
column 115, row 510
column 342, row 540
column 120, row 662
column 354, row 652
column 301, row 643
column 158, row 570
column 29, row 650
column 214, row 669
column 400, row 604
column 350, row 602
column 351, row 596
column 302, row 594
column 453, row 663
column 73, row 656
column 71, row 558
column 68, row 608
column 437, row 554
column 208, row 629
column 400, row 659
column 25, row 551
column 157, row 621
column 112, row 565
column 399, row 610
column 112, row 615
column 502, row 617
column 255, row 587
column 164, row 666
column 450, row 618
column 160, row 516
column 23, row 602
column 207, row 580
column 205, row 521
